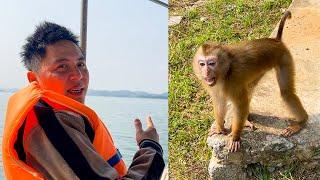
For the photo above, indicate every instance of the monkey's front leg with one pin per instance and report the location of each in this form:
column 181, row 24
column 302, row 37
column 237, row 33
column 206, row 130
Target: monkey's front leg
column 219, row 108
column 241, row 108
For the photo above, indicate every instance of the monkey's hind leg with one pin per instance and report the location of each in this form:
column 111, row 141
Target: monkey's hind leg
column 250, row 125
column 285, row 76
column 251, row 87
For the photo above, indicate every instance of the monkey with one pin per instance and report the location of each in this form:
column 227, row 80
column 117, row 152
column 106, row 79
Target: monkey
column 230, row 72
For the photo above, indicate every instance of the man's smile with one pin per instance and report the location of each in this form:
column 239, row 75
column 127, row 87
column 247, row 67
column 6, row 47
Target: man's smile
column 77, row 91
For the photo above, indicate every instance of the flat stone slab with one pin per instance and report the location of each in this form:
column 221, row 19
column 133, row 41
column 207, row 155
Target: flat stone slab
column 269, row 113
column 174, row 20
column 264, row 146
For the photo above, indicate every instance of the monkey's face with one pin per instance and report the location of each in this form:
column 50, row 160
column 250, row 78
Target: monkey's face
column 208, row 69
column 210, row 63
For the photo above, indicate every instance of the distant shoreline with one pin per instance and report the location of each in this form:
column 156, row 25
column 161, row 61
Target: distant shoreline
column 119, row 93
column 129, row 96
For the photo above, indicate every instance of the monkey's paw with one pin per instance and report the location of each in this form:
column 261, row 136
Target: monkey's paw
column 291, row 129
column 213, row 131
column 234, row 146
column 250, row 125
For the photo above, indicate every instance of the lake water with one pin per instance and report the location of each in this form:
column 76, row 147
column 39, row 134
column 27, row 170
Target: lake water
column 118, row 115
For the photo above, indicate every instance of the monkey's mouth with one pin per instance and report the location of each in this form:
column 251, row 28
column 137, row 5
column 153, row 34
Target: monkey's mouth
column 210, row 81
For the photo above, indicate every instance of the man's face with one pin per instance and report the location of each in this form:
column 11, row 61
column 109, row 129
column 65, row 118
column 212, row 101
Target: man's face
column 64, row 70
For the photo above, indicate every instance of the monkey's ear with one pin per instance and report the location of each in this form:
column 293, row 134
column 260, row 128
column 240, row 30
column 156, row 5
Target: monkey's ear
column 226, row 55
column 229, row 54
column 206, row 45
column 209, row 47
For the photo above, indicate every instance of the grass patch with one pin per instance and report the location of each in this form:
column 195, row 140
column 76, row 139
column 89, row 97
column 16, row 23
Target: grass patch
column 288, row 173
column 190, row 112
column 260, row 172
column 317, row 152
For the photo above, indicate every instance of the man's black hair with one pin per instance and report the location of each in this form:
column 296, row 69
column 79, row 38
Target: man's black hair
column 46, row 33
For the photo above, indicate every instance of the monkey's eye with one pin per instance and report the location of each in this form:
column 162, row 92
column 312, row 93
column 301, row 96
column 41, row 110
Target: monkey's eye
column 202, row 63
column 211, row 63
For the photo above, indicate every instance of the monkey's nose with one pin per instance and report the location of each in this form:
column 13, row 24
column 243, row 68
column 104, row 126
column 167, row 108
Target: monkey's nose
column 207, row 72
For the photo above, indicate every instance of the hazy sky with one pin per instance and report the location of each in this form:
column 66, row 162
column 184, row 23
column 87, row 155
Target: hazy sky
column 127, row 41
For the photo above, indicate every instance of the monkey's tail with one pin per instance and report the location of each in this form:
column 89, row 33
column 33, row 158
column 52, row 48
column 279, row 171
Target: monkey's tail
column 286, row 15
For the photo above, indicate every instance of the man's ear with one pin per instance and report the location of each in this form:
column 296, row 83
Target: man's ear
column 31, row 76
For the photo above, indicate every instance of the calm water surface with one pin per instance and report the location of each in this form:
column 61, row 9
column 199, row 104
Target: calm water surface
column 118, row 115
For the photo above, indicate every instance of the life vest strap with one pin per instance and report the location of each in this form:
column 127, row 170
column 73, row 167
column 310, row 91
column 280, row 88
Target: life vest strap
column 115, row 158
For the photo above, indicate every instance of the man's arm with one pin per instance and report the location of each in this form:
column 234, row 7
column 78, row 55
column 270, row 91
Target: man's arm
column 50, row 162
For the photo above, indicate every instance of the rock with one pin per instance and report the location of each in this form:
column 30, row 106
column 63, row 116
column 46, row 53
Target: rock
column 269, row 150
column 271, row 169
column 279, row 165
column 312, row 165
column 231, row 7
column 316, row 157
column 174, row 20
column 222, row 173
column 203, row 19
column 277, row 144
column 199, row 3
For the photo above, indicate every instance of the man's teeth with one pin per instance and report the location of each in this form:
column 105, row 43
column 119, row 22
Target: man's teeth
column 75, row 90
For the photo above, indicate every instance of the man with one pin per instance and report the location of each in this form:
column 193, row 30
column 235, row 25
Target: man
column 51, row 134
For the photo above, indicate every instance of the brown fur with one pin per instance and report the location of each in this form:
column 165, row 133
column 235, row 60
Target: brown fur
column 234, row 72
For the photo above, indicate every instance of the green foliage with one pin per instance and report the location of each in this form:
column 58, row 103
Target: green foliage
column 269, row 5
column 317, row 152
column 190, row 112
column 287, row 174
column 261, row 172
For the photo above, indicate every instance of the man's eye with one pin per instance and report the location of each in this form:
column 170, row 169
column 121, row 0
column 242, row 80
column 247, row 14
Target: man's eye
column 82, row 65
column 62, row 67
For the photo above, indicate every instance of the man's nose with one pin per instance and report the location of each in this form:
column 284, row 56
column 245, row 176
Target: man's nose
column 76, row 74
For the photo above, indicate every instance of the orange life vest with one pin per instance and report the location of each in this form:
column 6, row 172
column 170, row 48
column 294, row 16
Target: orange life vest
column 21, row 103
